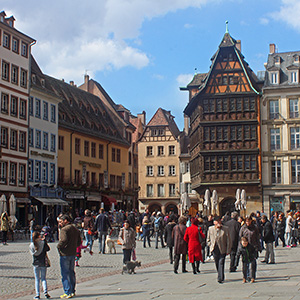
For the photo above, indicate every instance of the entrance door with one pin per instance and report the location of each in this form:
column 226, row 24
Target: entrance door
column 227, row 205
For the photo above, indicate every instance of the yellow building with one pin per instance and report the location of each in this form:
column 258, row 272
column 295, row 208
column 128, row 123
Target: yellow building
column 92, row 155
column 159, row 151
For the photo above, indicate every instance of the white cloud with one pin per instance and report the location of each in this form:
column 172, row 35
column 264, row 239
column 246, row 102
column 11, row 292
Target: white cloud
column 74, row 36
column 158, row 76
column 264, row 21
column 184, row 79
column 289, row 12
column 188, row 26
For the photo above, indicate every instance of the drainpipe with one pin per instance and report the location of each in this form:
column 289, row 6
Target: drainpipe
column 71, row 156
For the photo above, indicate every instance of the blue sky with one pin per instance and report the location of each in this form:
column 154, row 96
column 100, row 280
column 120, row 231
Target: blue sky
column 142, row 51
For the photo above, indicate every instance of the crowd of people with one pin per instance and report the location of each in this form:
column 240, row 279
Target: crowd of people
column 191, row 239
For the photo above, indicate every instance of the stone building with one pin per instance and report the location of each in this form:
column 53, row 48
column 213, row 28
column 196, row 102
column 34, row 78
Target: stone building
column 281, row 132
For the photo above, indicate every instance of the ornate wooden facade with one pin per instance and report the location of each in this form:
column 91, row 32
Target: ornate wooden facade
column 224, row 126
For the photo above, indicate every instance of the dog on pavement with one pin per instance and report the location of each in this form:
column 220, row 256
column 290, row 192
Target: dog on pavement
column 110, row 245
column 130, row 266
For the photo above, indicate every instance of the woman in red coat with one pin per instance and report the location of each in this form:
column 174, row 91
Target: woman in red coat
column 192, row 237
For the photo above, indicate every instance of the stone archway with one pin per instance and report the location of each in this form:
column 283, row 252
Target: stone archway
column 227, row 204
column 172, row 207
column 154, row 207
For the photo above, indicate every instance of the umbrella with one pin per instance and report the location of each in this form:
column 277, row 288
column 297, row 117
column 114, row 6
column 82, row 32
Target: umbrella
column 243, row 199
column 207, row 199
column 185, row 200
column 215, row 199
column 12, row 210
column 3, row 205
column 237, row 203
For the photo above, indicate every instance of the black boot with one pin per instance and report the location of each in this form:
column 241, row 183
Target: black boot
column 194, row 268
column 198, row 266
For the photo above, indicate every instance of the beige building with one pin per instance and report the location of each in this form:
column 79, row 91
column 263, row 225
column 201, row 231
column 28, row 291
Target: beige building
column 159, row 174
column 15, row 52
column 281, row 132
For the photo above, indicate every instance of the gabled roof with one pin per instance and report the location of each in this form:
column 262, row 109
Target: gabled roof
column 166, row 119
column 91, row 118
column 227, row 42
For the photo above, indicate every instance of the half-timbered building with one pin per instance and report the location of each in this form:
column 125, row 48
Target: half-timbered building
column 225, row 128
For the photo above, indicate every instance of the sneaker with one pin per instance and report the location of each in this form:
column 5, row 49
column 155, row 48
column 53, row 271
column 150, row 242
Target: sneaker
column 73, row 294
column 63, row 295
column 252, row 280
column 47, row 296
column 288, row 246
column 69, row 296
column 244, row 280
column 37, row 297
column 264, row 261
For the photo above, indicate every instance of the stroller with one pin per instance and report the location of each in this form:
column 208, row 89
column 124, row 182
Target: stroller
column 47, row 233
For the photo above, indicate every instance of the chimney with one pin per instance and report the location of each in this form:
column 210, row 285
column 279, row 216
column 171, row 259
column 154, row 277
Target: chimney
column 239, row 45
column 272, row 48
column 186, row 124
column 142, row 117
column 85, row 85
column 72, row 83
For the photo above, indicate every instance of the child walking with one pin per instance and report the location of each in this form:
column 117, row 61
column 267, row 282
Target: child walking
column 249, row 256
column 78, row 253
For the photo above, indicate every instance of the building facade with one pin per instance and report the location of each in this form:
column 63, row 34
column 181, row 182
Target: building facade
column 15, row 52
column 224, row 129
column 159, row 175
column 42, row 142
column 281, row 132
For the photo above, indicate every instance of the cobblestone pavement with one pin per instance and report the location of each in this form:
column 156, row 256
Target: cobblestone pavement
column 16, row 273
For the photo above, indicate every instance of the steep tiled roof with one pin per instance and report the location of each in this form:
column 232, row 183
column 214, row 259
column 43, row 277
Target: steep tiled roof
column 84, row 112
column 197, row 80
column 287, row 61
column 164, row 118
column 136, row 122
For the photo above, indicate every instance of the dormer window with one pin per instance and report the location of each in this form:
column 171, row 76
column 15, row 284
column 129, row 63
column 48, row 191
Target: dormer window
column 277, row 60
column 294, row 76
column 82, row 122
column 80, row 105
column 92, row 126
column 96, row 111
column 63, row 116
column 71, row 102
column 33, row 78
column 88, row 108
column 43, row 82
column 73, row 120
column 296, row 59
column 274, row 77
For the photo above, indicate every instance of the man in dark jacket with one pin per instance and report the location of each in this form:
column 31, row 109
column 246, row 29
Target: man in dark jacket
column 234, row 229
column 69, row 240
column 268, row 237
column 101, row 225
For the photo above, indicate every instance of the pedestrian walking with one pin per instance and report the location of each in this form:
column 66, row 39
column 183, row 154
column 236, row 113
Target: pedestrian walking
column 204, row 229
column 88, row 229
column 218, row 239
column 146, row 227
column 180, row 245
column 4, row 227
column 249, row 256
column 78, row 253
column 127, row 239
column 159, row 229
column 193, row 236
column 69, row 240
column 268, row 237
column 102, row 225
column 38, row 249
column 234, row 229
column 168, row 236
column 280, row 228
column 288, row 229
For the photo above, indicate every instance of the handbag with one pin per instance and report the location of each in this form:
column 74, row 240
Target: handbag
column 47, row 261
column 119, row 241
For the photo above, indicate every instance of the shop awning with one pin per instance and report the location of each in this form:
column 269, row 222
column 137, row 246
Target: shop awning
column 108, row 200
column 94, row 198
column 23, row 200
column 52, row 201
column 74, row 196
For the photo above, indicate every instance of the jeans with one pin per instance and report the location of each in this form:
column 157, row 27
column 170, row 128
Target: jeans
column 67, row 269
column 157, row 235
column 288, row 239
column 40, row 275
column 147, row 237
column 126, row 255
column 220, row 263
column 246, row 267
column 269, row 252
column 88, row 239
column 102, row 239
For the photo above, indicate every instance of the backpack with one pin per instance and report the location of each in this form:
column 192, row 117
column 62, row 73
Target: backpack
column 157, row 223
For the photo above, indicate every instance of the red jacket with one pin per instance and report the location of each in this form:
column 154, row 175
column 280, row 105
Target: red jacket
column 194, row 247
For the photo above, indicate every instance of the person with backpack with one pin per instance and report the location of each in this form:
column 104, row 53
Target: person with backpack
column 101, row 225
column 158, row 229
